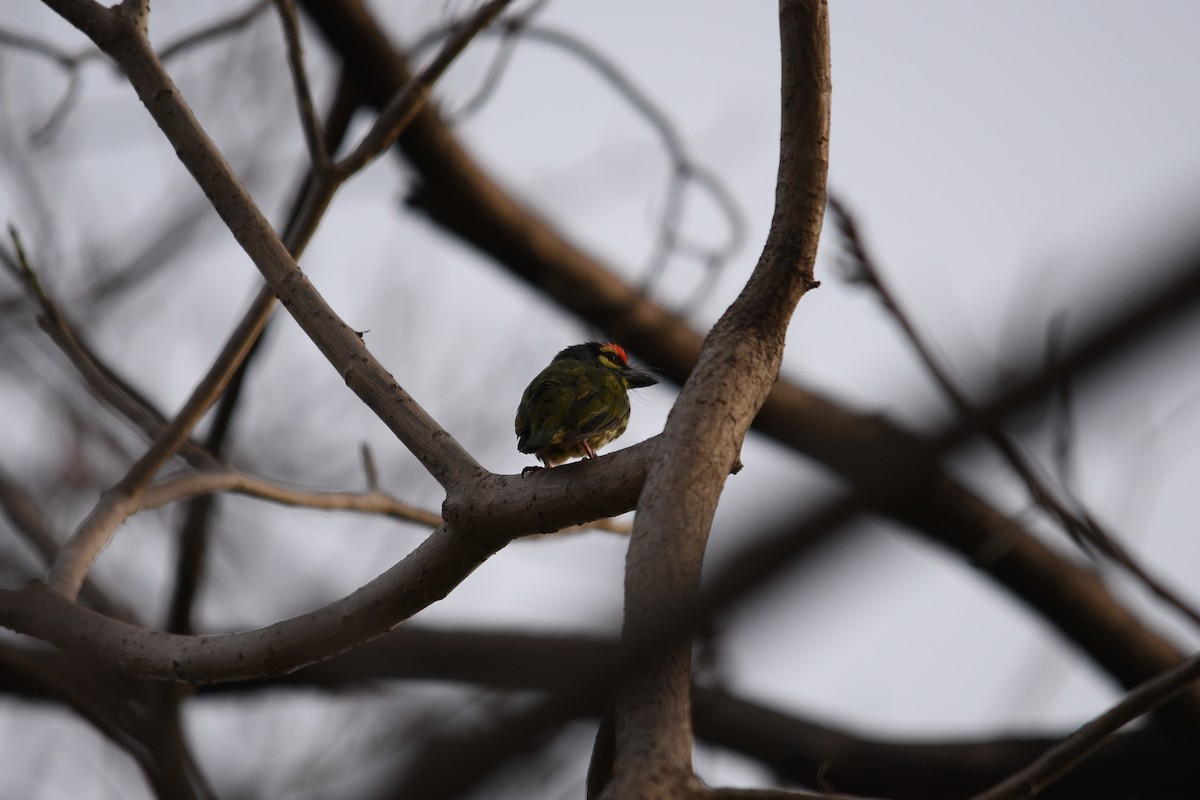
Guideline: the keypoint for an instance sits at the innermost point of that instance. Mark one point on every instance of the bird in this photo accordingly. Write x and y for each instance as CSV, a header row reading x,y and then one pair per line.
x,y
578,403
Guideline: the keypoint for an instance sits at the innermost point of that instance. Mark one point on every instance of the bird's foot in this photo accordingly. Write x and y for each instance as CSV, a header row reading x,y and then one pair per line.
x,y
531,470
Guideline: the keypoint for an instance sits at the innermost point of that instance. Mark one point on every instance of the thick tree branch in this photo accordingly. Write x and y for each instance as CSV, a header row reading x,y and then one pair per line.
x,y
703,437
500,508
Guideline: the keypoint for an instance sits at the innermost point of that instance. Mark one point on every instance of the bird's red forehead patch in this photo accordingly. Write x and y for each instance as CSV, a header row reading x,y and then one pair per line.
x,y
618,351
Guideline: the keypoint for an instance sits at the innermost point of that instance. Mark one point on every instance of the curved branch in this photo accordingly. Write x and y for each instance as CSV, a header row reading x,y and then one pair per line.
x,y
193,484
737,367
426,575
501,508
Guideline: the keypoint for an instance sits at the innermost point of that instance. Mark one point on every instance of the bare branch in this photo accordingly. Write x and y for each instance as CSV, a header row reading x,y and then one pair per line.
x,y
231,24
72,63
376,501
1062,758
120,501
684,170
111,709
1082,527
27,518
318,153
401,109
795,748
737,368
191,484
392,120
32,44
426,575
104,383
370,471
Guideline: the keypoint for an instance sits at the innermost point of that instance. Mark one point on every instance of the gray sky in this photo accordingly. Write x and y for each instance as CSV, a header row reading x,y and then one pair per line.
x,y
1005,158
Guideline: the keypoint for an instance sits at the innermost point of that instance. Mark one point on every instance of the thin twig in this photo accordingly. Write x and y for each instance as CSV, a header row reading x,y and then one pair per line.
x,y
192,484
1062,758
72,63
120,501
69,63
32,44
314,137
207,34
104,383
684,170
370,471
400,110
1081,526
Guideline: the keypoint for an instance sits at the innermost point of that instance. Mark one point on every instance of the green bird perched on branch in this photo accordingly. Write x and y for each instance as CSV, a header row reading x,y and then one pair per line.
x,y
578,404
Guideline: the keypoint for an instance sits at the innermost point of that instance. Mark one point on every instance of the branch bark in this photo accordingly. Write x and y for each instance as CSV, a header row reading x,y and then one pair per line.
x,y
737,367
498,509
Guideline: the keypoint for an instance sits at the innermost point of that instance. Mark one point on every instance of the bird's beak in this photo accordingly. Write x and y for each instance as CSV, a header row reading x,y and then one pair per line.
x,y
637,379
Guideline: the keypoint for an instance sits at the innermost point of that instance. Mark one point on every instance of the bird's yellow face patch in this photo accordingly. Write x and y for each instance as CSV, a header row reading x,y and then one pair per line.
x,y
614,356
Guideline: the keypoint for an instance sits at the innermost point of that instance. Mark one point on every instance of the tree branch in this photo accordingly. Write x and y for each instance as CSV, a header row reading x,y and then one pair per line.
x,y
27,518
192,484
501,508
318,153
1064,756
1082,527
737,367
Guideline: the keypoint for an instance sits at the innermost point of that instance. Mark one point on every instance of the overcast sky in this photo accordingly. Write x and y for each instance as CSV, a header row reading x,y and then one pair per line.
x,y
1007,160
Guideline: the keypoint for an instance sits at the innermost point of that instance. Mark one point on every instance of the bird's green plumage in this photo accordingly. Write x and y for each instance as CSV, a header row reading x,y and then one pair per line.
x,y
577,404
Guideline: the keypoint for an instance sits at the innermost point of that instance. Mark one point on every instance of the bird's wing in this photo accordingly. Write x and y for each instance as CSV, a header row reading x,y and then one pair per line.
x,y
599,404
539,417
